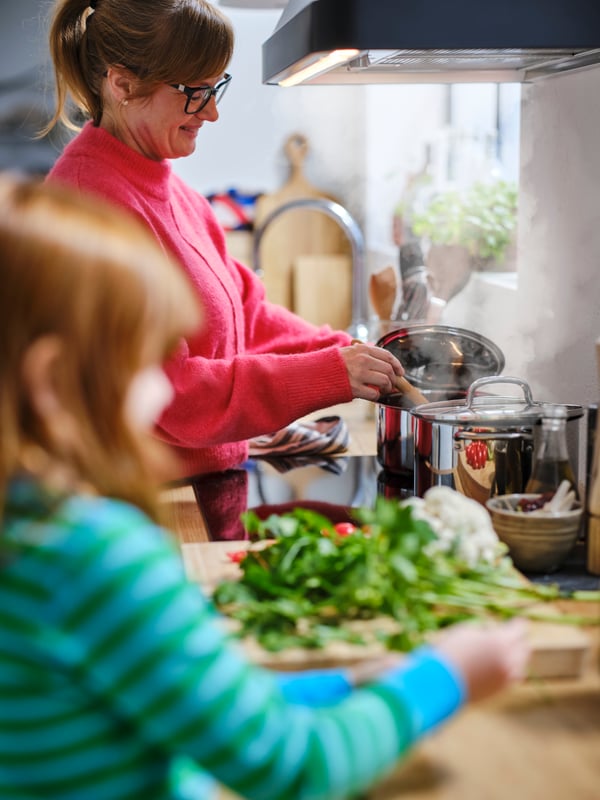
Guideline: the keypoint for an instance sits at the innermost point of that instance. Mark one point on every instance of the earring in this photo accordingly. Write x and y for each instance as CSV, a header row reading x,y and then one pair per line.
x,y
124,102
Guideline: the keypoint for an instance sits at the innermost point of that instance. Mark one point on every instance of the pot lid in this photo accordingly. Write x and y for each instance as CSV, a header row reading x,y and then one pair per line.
x,y
443,357
493,410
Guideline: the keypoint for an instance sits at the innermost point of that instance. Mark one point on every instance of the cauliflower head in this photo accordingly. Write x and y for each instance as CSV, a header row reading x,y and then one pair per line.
x,y
463,527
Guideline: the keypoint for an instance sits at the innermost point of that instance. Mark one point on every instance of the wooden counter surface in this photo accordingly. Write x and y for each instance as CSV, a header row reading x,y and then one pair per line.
x,y
539,740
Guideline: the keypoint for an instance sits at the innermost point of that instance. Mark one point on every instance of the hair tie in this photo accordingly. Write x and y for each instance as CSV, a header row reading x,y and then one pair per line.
x,y
93,4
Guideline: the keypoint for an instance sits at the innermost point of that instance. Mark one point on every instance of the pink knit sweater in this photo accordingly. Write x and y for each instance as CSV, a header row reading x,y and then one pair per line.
x,y
254,367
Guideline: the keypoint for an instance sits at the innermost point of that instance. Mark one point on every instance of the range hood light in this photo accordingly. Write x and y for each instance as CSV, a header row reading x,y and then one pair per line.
x,y
324,62
431,41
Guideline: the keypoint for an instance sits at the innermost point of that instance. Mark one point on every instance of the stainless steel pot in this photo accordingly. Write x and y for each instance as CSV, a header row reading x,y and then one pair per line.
x,y
441,361
443,358
449,437
395,427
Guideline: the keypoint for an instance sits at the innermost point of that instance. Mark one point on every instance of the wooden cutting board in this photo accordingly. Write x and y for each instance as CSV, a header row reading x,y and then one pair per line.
x,y
298,232
557,650
322,289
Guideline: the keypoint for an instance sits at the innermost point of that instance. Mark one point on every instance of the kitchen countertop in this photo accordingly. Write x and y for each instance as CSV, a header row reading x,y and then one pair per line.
x,y
537,741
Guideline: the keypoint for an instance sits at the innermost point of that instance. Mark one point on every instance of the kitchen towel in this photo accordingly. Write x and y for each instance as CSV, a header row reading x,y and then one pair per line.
x,y
326,436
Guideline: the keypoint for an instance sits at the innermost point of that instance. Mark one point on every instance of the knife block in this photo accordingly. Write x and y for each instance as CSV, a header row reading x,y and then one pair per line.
x,y
593,530
593,503
593,545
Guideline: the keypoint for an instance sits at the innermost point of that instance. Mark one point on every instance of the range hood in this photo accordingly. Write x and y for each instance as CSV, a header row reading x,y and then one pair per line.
x,y
430,41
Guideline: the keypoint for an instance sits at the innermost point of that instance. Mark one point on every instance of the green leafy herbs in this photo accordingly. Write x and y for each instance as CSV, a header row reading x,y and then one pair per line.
x,y
309,585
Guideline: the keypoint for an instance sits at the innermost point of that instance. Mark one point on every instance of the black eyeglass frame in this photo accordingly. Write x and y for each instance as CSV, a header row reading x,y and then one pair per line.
x,y
217,91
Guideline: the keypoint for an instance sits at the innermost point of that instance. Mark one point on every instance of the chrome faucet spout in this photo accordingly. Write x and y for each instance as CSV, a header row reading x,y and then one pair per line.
x,y
352,231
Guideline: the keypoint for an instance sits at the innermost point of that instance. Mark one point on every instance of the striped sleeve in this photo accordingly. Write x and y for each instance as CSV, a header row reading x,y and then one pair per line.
x,y
145,644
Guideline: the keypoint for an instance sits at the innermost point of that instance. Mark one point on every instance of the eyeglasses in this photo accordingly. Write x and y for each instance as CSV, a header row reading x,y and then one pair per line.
x,y
199,96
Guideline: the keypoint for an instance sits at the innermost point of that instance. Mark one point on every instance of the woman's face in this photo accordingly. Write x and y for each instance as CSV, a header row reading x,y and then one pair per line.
x,y
158,127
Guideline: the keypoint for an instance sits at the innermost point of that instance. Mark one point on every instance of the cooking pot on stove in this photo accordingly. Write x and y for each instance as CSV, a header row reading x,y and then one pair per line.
x,y
442,362
483,445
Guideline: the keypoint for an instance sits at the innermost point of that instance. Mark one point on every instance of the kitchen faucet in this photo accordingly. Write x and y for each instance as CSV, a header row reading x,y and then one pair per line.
x,y
358,326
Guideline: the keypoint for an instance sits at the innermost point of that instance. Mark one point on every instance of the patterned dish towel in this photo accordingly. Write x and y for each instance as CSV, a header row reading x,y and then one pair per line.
x,y
323,437
335,464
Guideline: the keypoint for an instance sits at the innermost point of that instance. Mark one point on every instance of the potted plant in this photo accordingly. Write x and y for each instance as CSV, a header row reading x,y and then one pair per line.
x,y
480,221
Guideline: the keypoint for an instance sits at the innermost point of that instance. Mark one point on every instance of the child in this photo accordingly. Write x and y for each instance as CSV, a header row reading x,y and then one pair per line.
x,y
115,678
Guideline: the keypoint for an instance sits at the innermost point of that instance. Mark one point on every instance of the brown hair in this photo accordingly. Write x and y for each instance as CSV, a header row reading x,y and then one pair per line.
x,y
78,270
159,41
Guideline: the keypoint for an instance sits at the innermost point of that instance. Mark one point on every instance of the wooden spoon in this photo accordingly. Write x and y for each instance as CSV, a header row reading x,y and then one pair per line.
x,y
410,392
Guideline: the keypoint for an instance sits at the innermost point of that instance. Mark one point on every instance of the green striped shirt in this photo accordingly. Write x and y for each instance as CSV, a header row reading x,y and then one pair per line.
x,y
117,681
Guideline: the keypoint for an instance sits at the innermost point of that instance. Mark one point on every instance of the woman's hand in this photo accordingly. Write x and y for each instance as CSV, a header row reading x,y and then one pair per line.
x,y
371,370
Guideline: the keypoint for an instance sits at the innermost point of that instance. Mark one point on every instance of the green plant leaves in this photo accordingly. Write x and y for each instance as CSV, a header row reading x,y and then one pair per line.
x,y
483,219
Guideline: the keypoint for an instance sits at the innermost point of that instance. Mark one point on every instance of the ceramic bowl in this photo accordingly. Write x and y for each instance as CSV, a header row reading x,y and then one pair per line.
x,y
536,542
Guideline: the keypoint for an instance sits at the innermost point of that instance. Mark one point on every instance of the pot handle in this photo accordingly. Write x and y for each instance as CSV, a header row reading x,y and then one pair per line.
x,y
476,436
477,384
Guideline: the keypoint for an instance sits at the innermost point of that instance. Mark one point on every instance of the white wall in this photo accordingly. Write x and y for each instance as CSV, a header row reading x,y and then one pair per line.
x,y
364,140
559,241
399,121
244,149
547,326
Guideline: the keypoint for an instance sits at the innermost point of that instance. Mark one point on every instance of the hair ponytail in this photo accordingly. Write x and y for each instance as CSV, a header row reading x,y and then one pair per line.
x,y
159,41
77,69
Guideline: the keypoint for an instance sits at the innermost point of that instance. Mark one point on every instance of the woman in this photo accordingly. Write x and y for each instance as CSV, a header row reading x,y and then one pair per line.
x,y
116,680
149,74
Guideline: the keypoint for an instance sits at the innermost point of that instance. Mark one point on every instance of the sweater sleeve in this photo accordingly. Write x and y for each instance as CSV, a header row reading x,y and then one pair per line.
x,y
154,651
233,399
314,687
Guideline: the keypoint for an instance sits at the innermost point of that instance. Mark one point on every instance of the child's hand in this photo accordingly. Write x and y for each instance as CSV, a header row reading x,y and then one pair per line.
x,y
489,658
368,671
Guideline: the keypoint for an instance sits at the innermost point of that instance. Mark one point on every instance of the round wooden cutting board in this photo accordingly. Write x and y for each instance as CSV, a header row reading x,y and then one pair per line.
x,y
297,239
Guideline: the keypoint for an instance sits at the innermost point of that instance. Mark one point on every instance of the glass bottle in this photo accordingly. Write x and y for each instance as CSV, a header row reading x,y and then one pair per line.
x,y
552,465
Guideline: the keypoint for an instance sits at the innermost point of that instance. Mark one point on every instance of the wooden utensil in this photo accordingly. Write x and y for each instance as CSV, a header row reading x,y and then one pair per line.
x,y
383,288
298,232
410,392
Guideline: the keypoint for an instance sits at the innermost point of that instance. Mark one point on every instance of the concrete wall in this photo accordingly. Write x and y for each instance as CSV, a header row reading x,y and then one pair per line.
x,y
548,322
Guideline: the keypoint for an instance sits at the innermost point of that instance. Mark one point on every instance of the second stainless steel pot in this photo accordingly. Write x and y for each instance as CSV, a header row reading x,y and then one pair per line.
x,y
482,446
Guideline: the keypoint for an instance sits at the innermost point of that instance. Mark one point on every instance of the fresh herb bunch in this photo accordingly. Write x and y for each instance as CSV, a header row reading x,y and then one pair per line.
x,y
303,588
